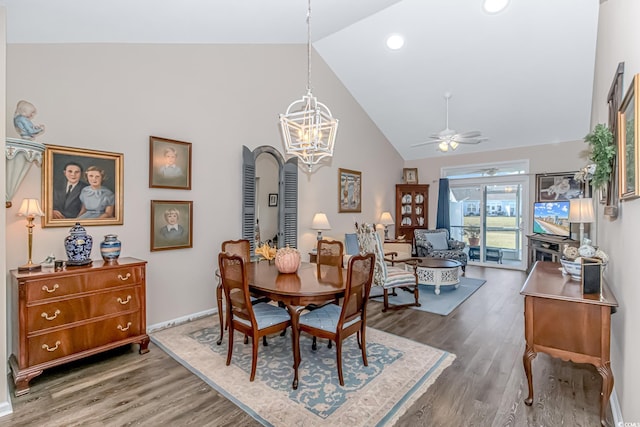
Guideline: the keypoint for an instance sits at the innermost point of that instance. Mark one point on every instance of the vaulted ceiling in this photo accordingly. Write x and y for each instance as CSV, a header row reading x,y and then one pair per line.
x,y
522,77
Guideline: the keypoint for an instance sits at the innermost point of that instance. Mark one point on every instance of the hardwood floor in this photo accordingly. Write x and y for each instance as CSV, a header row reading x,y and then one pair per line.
x,y
485,386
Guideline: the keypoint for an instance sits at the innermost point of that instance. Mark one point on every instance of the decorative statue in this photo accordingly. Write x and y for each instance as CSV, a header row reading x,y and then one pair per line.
x,y
25,111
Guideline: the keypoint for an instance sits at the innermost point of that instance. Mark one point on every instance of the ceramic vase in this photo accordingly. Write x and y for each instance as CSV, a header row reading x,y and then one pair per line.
x,y
78,245
110,248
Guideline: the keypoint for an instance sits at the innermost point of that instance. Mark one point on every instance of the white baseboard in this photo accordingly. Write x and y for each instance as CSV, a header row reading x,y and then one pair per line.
x,y
180,320
5,407
615,408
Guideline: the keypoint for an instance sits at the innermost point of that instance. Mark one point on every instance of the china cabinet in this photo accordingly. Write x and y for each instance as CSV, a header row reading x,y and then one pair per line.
x,y
412,202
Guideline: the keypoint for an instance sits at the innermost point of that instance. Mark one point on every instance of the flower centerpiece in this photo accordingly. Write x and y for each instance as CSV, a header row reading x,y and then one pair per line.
x,y
266,251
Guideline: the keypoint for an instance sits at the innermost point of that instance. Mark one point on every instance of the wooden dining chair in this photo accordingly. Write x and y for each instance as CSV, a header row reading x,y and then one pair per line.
x,y
254,321
234,247
339,322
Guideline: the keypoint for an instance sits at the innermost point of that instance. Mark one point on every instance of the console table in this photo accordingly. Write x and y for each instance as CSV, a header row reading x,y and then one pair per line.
x,y
562,322
61,316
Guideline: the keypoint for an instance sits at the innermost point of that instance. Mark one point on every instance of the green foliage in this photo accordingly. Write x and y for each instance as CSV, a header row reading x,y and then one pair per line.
x,y
603,150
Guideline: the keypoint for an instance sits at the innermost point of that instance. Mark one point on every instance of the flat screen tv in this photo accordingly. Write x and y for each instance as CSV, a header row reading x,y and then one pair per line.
x,y
551,218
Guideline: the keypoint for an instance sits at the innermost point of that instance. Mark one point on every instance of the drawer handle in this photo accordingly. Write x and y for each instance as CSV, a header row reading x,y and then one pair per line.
x,y
126,301
46,347
124,328
125,277
46,288
46,316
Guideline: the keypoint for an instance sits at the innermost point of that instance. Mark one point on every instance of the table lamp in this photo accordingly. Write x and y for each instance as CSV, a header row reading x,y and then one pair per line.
x,y
386,220
581,211
30,208
320,222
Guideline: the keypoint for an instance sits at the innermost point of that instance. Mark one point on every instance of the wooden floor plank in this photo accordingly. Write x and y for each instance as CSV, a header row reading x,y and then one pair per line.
x,y
485,386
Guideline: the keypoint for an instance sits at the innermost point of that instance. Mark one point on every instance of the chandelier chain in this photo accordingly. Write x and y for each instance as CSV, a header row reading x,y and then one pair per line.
x,y
309,47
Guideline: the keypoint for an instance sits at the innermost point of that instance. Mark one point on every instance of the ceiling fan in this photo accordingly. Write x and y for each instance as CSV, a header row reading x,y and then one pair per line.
x,y
449,138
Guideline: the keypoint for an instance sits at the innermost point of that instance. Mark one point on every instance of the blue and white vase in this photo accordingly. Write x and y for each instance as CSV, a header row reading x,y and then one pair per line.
x,y
78,245
110,248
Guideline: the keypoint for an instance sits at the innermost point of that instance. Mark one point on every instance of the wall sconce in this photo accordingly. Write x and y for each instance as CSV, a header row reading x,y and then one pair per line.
x,y
30,208
320,222
20,155
386,220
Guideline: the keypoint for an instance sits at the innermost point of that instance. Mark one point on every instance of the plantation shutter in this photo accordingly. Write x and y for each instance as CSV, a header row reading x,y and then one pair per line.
x,y
248,197
288,226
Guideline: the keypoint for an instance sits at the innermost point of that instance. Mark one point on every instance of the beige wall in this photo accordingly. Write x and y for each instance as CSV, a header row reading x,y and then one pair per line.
x,y
550,158
4,398
218,97
618,40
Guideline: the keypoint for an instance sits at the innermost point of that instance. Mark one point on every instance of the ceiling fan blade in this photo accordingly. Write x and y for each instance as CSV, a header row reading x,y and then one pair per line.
x,y
469,140
419,144
470,134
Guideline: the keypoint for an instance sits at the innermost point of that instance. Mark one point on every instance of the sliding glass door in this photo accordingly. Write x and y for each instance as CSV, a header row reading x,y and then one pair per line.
x,y
488,215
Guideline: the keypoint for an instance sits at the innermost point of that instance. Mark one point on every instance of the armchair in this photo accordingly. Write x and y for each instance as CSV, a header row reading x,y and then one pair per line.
x,y
437,244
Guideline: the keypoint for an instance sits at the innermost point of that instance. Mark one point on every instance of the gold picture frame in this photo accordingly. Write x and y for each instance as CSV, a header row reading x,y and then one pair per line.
x,y
171,225
81,185
628,177
349,191
410,175
169,163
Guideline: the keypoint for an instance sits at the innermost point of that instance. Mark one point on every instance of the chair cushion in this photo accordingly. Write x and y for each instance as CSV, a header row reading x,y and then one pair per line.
x,y
397,276
351,244
437,240
266,315
325,318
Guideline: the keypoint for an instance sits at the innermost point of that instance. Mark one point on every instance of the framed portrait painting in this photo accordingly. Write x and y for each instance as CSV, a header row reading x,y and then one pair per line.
x,y
171,225
410,175
629,181
551,187
169,163
81,185
349,191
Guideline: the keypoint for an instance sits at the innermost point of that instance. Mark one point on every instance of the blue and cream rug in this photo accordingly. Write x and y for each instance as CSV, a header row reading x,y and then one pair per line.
x,y
399,371
448,300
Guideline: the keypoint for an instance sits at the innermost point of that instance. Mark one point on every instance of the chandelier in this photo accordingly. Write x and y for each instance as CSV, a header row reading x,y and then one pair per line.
x,y
308,129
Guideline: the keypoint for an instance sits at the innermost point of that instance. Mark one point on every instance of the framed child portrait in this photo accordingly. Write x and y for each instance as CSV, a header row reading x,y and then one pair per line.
x,y
171,225
81,185
169,163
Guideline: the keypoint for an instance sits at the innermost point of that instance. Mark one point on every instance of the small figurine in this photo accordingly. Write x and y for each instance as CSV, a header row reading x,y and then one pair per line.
x,y
25,111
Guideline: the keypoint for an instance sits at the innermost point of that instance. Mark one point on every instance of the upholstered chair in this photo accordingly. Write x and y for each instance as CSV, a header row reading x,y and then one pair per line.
x,y
339,322
386,274
437,244
255,321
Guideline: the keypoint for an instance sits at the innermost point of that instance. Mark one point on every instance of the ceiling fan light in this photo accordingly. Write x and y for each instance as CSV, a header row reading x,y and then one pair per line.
x,y
443,146
494,6
453,145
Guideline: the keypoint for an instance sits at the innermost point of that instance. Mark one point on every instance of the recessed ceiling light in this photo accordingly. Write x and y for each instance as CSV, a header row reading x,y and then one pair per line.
x,y
494,6
395,41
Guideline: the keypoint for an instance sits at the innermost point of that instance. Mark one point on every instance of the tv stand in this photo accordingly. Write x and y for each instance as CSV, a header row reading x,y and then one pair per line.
x,y
545,247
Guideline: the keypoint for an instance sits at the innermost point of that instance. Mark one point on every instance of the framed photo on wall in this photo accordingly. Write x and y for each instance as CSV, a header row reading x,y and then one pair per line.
x,y
81,185
629,181
273,199
349,191
169,163
171,225
551,187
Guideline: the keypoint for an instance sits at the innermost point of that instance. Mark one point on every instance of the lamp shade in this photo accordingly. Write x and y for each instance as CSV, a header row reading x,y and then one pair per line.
x,y
320,222
30,208
581,210
386,219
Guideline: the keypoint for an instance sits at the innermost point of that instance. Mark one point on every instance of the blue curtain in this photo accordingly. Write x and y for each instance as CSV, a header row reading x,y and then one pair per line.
x,y
442,217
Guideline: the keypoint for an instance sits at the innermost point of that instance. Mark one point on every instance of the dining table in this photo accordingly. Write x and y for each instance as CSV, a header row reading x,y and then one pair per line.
x,y
310,284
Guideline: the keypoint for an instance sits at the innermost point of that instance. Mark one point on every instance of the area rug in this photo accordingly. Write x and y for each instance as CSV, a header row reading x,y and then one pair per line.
x,y
399,371
448,300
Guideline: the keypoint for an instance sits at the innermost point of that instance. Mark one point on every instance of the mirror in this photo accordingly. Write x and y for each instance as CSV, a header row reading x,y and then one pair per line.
x,y
266,163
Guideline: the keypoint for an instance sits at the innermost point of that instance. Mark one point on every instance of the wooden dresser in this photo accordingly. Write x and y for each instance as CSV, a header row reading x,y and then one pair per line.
x,y
563,322
58,317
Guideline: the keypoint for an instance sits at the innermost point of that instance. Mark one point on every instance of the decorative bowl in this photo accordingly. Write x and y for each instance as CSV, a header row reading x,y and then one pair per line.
x,y
572,268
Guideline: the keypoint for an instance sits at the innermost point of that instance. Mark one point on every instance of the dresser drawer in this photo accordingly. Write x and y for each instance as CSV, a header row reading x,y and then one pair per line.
x,y
73,283
46,347
51,314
